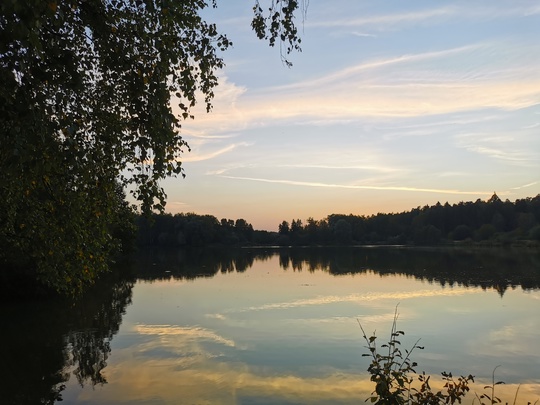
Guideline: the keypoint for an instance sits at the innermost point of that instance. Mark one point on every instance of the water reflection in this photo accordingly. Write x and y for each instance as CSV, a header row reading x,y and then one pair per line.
x,y
286,332
497,269
202,326
487,268
161,264
43,343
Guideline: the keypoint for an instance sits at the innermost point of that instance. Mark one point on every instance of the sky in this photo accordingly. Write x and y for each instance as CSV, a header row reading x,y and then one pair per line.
x,y
390,105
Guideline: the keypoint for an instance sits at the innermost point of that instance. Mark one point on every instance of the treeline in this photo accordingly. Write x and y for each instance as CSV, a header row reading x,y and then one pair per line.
x,y
197,230
491,221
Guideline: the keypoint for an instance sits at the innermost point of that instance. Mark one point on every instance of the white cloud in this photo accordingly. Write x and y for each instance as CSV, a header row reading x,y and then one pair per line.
x,y
225,110
360,187
386,20
534,183
384,169
360,298
186,332
411,85
395,21
497,146
198,156
363,34
176,203
348,74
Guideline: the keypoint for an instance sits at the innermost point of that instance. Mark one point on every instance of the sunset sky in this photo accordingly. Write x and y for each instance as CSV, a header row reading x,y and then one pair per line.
x,y
391,105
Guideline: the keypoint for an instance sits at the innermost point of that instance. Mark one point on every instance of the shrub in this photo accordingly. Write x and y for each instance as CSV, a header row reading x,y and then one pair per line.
x,y
393,374
397,383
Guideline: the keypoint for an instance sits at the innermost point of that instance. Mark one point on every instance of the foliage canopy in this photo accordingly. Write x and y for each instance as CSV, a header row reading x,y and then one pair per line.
x,y
87,89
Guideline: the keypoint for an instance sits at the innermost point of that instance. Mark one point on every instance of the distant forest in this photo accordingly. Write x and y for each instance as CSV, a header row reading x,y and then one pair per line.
x,y
486,222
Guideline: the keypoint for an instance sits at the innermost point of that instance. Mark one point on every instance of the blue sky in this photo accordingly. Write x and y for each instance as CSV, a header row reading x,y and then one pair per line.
x,y
391,105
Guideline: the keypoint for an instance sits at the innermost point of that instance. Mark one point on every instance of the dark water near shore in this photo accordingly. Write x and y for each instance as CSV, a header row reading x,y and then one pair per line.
x,y
275,326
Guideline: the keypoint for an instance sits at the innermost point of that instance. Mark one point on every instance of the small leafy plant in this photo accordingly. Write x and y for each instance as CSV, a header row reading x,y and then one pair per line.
x,y
393,373
397,383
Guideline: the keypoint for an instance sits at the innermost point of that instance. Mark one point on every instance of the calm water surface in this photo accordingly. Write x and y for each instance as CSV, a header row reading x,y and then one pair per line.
x,y
267,326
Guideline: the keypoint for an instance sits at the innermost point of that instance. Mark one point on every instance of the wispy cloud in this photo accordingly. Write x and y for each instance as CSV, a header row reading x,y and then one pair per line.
x,y
195,157
383,169
202,136
176,204
221,317
534,183
345,75
360,298
419,89
194,332
533,10
393,21
508,341
363,34
225,111
445,122
360,187
211,381
497,146
398,100
386,20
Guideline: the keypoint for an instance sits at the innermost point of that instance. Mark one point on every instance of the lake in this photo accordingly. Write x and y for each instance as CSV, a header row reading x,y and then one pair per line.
x,y
276,326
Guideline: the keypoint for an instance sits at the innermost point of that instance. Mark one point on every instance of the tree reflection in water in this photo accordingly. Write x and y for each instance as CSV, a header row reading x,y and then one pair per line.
x,y
487,268
44,343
